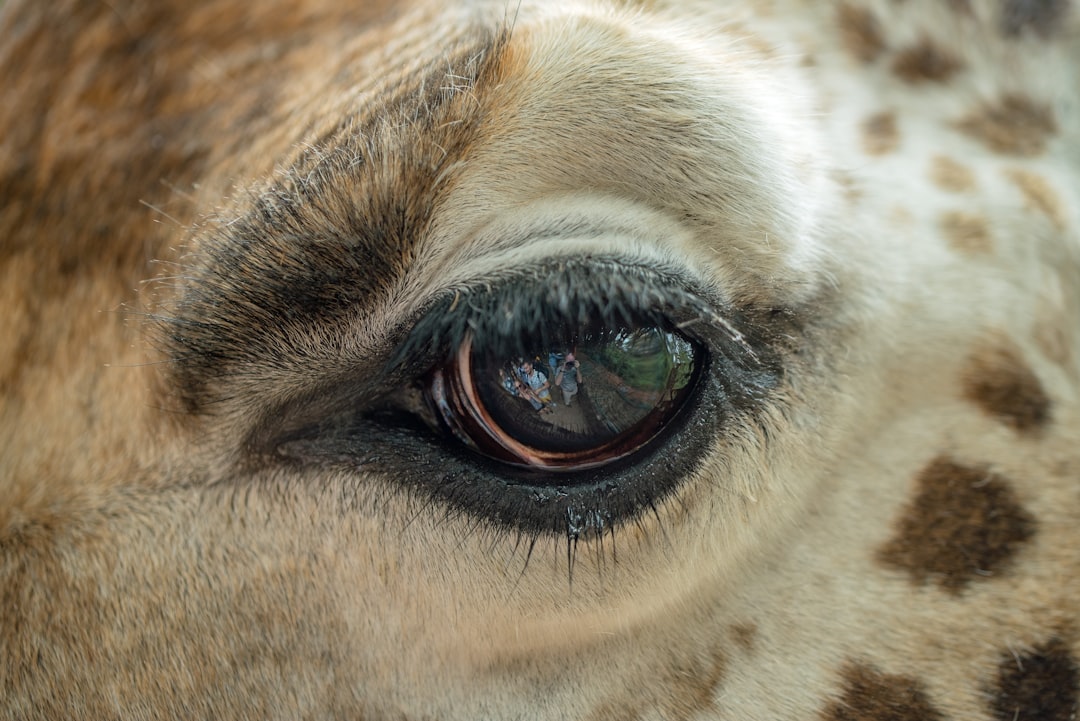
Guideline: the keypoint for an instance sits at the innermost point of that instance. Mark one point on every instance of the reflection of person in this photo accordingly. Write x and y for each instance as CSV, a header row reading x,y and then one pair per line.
x,y
509,384
537,383
568,378
553,362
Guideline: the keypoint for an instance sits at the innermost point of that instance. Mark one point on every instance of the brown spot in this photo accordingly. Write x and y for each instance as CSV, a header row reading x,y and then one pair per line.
x,y
1038,686
966,232
1014,125
860,32
692,687
879,134
999,381
870,695
745,635
948,174
678,688
925,62
1040,16
1038,194
964,523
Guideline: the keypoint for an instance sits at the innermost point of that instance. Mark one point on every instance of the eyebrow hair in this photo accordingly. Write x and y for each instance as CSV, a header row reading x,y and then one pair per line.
x,y
331,230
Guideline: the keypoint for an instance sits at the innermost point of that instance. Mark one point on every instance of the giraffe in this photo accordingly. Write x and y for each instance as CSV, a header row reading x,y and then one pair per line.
x,y
260,266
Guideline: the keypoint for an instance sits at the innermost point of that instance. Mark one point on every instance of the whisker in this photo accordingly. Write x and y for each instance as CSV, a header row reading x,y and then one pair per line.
x,y
158,210
186,195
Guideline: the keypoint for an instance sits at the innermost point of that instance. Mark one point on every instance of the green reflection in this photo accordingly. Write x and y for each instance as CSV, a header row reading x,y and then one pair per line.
x,y
647,359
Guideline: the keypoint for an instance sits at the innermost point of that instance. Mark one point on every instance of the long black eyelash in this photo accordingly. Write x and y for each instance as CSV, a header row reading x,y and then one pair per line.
x,y
528,307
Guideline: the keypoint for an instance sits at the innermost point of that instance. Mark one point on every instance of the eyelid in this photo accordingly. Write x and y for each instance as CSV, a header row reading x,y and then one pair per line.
x,y
574,291
375,425
611,288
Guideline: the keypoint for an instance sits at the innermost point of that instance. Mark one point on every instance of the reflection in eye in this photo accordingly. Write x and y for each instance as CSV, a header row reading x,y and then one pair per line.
x,y
581,401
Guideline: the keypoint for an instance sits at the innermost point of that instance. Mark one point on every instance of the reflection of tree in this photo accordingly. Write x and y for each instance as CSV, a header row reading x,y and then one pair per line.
x,y
682,358
610,399
647,359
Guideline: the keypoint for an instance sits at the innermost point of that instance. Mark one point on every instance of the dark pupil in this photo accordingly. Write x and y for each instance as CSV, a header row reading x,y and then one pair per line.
x,y
580,402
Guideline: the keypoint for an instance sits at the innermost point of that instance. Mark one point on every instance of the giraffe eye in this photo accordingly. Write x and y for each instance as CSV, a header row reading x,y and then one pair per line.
x,y
567,398
582,399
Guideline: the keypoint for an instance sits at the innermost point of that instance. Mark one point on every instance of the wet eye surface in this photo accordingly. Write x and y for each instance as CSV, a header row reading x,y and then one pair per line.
x,y
586,399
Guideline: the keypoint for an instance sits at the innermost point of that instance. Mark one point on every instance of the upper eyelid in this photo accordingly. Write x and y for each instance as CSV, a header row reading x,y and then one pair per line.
x,y
432,334
616,289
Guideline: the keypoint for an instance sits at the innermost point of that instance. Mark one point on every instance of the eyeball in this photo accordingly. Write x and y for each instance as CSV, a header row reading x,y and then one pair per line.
x,y
583,399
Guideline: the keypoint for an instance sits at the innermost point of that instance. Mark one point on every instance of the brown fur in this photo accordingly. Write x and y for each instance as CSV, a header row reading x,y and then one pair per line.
x,y
880,134
1013,125
745,635
870,695
950,175
860,32
964,525
1038,194
924,62
967,232
1042,683
228,230
999,382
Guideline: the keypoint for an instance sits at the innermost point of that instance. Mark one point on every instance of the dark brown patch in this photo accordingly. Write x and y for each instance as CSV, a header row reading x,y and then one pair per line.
x,y
964,524
966,232
338,221
925,62
870,695
999,381
745,635
1038,686
1038,194
879,133
950,175
860,32
1039,16
1014,125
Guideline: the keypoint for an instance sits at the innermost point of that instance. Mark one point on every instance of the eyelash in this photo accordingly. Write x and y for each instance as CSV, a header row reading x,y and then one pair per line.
x,y
500,317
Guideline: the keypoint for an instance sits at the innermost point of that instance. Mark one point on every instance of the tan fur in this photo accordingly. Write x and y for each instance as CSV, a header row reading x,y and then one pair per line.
x,y
212,212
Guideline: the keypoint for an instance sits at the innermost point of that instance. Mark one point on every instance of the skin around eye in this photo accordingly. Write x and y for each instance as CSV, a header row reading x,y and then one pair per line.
x,y
580,402
636,378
